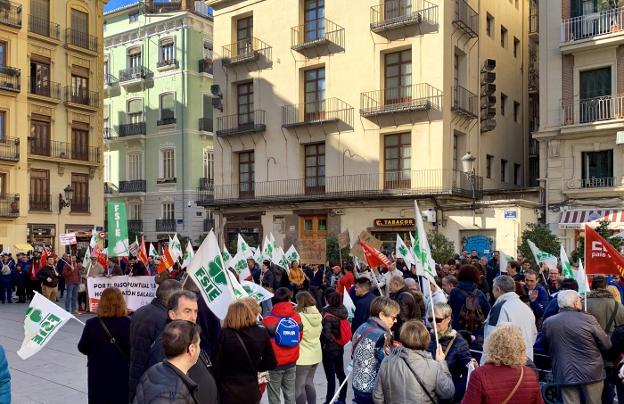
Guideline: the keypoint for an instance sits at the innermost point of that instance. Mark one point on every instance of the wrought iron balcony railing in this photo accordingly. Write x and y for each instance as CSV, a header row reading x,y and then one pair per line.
x,y
39,202
315,33
110,80
592,25
11,13
590,110
205,192
132,129
167,63
205,66
80,204
132,186
81,39
253,121
9,204
244,51
465,102
466,18
157,7
417,97
317,112
82,96
63,150
205,124
10,78
9,149
394,14
44,27
208,225
166,225
109,188
135,226
132,73
45,88
169,120
592,182
206,184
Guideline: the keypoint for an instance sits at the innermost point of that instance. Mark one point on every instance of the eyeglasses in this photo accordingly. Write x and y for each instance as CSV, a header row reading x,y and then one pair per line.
x,y
437,320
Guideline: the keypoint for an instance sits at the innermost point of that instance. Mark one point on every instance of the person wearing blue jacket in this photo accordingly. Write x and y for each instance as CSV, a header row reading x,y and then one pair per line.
x,y
538,296
468,277
363,300
5,379
7,272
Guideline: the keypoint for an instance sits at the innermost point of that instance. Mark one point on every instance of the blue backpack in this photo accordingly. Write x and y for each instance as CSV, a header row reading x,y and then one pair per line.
x,y
286,332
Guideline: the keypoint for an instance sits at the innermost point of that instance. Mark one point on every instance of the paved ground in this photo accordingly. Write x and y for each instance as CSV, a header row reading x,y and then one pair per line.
x,y
58,373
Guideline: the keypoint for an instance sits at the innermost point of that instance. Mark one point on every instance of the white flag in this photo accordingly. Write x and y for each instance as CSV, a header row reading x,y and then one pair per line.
x,y
348,303
43,320
257,255
94,236
152,252
256,291
292,254
279,259
267,249
134,248
425,251
581,279
243,247
86,261
502,262
175,248
209,274
239,264
188,255
403,252
542,256
238,290
227,257
566,268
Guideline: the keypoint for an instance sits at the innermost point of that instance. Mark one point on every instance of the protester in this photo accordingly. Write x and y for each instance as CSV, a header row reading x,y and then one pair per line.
x,y
7,273
514,270
409,309
576,342
20,281
286,331
554,280
49,280
297,278
333,352
448,283
391,273
553,305
362,306
310,353
454,346
135,267
71,273
167,381
508,308
95,269
315,275
60,263
347,280
147,324
469,304
5,378
106,342
504,378
409,374
371,343
414,289
34,284
254,270
538,296
243,350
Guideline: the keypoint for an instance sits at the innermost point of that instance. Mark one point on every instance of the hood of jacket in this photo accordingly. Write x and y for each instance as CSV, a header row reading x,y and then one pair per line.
x,y
311,316
340,311
599,294
284,309
468,286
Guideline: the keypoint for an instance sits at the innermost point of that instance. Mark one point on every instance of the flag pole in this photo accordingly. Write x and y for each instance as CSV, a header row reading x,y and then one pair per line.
x,y
435,327
335,397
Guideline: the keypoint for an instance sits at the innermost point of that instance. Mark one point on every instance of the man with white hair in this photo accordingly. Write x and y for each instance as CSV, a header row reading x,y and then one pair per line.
x,y
575,342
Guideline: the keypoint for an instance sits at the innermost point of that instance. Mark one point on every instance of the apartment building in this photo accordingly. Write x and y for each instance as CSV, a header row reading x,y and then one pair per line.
x,y
50,120
341,115
158,115
581,131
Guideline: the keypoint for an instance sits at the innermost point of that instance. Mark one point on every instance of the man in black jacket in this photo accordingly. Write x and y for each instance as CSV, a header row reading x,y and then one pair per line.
x,y
167,381
407,303
363,302
147,324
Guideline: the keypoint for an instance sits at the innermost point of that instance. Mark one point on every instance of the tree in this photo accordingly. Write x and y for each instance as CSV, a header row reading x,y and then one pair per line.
x,y
603,230
543,238
442,249
333,254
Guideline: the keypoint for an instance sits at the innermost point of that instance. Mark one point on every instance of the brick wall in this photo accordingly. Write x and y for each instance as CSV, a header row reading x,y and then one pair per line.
x,y
565,8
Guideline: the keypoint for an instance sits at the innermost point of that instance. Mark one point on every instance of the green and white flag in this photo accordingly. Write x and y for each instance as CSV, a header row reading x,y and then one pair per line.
x,y
581,279
238,290
347,302
566,268
279,259
267,249
428,264
542,256
209,274
118,244
153,252
257,292
403,252
257,255
239,264
94,237
43,320
292,254
227,257
86,261
503,260
175,248
243,247
188,255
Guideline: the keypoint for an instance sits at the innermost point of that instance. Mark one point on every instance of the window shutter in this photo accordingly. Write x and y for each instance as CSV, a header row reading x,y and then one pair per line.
x,y
135,106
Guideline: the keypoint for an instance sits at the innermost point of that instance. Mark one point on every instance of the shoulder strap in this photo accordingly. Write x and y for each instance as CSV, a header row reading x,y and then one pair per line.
x,y
450,344
516,386
422,385
112,339
364,334
612,319
244,348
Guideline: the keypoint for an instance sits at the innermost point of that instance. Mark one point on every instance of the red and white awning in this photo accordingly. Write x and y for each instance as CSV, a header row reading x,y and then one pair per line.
x,y
576,219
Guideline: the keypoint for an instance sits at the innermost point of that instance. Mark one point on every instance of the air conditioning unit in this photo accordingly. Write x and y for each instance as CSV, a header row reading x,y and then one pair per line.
x,y
619,137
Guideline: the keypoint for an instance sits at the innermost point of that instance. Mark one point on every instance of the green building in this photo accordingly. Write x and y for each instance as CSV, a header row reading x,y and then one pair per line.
x,y
158,115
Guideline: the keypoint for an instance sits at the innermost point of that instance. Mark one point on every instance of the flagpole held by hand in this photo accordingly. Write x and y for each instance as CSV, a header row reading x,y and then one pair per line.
x,y
335,397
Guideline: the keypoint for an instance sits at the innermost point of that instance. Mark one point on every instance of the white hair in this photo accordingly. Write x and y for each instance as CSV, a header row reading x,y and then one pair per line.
x,y
567,298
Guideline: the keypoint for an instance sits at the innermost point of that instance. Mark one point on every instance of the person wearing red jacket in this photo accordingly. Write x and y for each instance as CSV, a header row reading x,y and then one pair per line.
x,y
347,280
282,378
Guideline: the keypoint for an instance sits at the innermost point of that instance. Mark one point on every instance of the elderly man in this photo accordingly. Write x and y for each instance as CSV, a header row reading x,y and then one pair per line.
x,y
538,296
409,308
576,342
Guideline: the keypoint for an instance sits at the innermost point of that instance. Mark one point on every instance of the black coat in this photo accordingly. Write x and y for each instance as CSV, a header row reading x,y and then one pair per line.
x,y
163,383
331,328
362,310
409,309
210,326
106,365
147,324
236,376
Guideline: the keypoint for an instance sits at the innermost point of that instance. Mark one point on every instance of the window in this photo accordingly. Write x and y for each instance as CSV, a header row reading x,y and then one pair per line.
x,y
503,37
134,62
40,133
245,104
135,211
40,75
244,36
460,68
80,185
503,170
135,111
516,174
397,8
133,17
168,211
167,108
459,149
135,166
314,94
2,126
80,28
39,189
313,227
208,50
503,102
106,122
246,173
594,84
488,166
315,167
3,53
168,164
80,84
107,167
314,21
397,160
80,142
166,52
597,169
516,111
490,25
208,164
3,185
516,49
398,77
40,20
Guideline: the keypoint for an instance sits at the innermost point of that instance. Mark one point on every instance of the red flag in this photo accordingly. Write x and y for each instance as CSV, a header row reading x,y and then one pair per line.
x,y
44,257
143,252
601,258
166,261
102,256
374,257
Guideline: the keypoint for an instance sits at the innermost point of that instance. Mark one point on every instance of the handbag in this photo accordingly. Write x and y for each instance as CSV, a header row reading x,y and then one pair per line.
x,y
112,340
263,377
515,387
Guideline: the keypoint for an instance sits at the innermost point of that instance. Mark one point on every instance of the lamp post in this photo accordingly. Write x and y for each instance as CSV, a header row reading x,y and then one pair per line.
x,y
69,195
468,167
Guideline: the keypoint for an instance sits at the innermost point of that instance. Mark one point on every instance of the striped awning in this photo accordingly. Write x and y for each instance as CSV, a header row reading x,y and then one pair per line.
x,y
576,219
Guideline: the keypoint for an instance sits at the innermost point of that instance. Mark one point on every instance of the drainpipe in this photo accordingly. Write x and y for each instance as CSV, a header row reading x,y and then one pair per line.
x,y
183,161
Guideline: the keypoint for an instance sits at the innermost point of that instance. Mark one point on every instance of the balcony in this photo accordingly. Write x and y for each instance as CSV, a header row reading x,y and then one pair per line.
x,y
393,14
465,102
9,149
205,124
245,51
587,29
466,18
133,76
315,33
109,188
64,151
9,205
45,88
168,225
10,14
39,202
44,27
110,80
208,225
205,66
10,79
170,120
317,112
590,110
135,226
108,134
82,97
167,63
159,7
405,184
205,192
80,204
132,129
241,123
132,186
81,39
417,97
584,183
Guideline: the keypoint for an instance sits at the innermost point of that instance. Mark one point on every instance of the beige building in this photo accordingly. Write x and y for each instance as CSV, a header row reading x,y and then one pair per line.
x,y
581,131
50,120
341,113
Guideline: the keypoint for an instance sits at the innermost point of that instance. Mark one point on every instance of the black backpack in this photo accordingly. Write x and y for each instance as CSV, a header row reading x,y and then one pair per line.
x,y
471,316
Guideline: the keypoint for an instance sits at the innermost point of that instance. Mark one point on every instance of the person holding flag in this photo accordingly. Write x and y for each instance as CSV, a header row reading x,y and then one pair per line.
x,y
49,278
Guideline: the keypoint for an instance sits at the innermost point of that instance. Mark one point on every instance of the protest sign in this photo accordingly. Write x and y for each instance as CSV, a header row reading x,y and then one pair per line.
x,y
137,290
68,239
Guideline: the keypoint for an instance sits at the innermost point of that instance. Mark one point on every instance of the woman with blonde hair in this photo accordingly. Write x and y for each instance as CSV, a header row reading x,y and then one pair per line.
x,y
504,378
310,354
106,342
243,350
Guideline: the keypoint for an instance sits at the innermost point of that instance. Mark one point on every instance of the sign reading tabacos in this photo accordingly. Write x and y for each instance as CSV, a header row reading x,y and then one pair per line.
x,y
395,222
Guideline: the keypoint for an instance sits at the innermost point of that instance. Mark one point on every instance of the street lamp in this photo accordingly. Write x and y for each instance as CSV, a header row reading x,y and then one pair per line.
x,y
468,167
69,195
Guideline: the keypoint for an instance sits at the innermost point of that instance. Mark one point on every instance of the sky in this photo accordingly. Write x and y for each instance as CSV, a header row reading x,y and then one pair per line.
x,y
113,4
